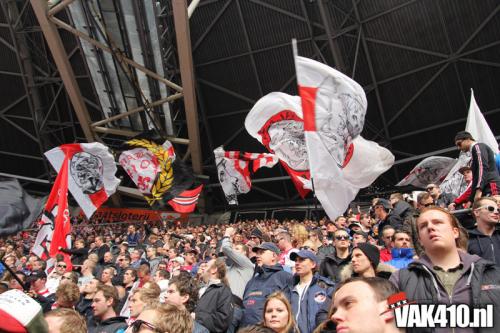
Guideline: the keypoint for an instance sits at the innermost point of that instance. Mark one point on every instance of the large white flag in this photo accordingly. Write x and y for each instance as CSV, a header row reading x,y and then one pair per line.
x,y
431,170
91,172
340,161
478,127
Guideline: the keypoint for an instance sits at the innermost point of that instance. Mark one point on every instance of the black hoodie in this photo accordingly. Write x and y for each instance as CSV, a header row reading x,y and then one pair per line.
x,y
111,325
485,246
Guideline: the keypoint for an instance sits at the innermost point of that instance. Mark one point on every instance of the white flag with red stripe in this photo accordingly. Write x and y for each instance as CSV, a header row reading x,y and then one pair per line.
x,y
341,162
91,172
186,201
235,168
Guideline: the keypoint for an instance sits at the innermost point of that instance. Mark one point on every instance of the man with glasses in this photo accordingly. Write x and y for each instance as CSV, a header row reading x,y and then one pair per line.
x,y
122,263
485,175
441,199
484,240
54,277
385,216
334,262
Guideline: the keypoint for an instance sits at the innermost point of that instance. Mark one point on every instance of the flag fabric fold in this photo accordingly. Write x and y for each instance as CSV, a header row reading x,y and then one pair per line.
x,y
276,122
186,201
433,169
235,168
478,127
91,173
340,160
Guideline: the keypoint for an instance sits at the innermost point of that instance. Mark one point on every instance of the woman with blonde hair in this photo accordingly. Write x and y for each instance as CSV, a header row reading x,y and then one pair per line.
x,y
278,314
299,235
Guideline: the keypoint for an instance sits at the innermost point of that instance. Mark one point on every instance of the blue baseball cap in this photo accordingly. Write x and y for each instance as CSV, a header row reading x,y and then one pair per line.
x,y
304,254
267,246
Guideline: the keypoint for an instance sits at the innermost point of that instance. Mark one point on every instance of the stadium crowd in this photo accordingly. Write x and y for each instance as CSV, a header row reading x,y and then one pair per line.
x,y
263,275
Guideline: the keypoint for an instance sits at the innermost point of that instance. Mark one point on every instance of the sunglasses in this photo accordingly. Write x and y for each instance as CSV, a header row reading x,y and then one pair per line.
x,y
305,248
65,277
490,209
61,266
342,237
136,325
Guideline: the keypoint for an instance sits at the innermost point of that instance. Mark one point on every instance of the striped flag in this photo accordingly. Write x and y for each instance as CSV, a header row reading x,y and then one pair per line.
x,y
186,201
234,169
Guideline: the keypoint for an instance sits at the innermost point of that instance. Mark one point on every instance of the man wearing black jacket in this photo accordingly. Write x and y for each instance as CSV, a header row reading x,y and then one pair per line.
x,y
214,309
485,176
484,240
78,254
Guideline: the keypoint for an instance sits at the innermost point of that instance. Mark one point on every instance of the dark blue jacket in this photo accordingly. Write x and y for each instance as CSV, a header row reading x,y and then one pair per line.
x,y
266,280
401,258
318,295
485,246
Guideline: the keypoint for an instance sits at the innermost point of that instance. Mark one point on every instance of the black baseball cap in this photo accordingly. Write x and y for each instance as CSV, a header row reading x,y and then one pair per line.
x,y
267,246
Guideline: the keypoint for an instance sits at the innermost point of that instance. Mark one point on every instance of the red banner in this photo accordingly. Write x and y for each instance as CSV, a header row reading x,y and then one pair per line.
x,y
105,214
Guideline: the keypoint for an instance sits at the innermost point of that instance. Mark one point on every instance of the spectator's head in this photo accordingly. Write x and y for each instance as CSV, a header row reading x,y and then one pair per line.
x,y
256,236
366,297
438,231
141,298
359,237
190,257
163,318
161,275
136,254
433,190
151,252
387,234
88,266
241,248
216,270
64,320
464,140
99,241
395,198
266,254
67,295
306,262
79,243
107,275
466,172
401,239
144,272
284,240
69,277
108,257
89,289
14,284
486,212
424,199
123,261
131,229
382,208
129,277
365,220
341,222
182,292
172,253
341,240
365,259
278,313
37,280
104,301
60,267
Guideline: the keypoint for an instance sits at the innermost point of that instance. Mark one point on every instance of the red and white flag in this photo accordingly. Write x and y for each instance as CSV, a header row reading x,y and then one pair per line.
x,y
276,121
340,161
90,175
55,224
431,170
186,201
235,168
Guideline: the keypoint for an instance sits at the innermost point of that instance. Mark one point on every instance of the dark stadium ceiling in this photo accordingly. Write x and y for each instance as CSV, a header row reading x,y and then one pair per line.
x,y
417,61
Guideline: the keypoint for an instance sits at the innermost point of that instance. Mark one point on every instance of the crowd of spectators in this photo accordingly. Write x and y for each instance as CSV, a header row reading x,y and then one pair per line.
x,y
253,276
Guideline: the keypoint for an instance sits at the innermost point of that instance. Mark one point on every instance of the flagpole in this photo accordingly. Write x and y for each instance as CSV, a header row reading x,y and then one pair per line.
x,y
315,201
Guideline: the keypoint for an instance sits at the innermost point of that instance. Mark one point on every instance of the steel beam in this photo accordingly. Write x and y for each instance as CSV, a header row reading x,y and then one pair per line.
x,y
334,48
66,72
181,21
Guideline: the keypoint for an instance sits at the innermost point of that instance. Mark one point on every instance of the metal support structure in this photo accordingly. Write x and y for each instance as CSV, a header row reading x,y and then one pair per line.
x,y
334,49
181,21
65,70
